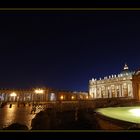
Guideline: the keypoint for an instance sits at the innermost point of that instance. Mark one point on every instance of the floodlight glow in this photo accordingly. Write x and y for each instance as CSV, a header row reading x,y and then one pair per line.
x,y
13,94
72,97
61,97
135,112
127,114
39,91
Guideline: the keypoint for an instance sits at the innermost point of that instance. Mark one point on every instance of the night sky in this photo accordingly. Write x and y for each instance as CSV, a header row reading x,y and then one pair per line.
x,y
64,50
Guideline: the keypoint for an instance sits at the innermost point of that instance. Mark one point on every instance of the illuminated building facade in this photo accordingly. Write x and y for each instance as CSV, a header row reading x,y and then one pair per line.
x,y
120,85
40,95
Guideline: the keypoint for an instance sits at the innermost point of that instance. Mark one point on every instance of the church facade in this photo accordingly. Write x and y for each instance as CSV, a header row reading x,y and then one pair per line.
x,y
126,84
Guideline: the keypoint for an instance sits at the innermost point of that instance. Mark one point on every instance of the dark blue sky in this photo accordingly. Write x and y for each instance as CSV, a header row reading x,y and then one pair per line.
x,y
65,50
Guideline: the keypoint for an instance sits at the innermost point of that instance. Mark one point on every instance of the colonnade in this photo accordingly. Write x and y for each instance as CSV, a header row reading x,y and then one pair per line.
x,y
111,90
31,96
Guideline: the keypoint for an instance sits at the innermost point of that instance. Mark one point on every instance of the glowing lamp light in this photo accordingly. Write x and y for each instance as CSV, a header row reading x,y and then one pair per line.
x,y
61,97
13,94
135,112
72,97
86,97
39,91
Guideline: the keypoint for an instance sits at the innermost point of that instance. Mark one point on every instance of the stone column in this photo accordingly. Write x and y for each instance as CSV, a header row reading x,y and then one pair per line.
x,y
29,97
109,90
4,97
45,97
130,90
23,97
14,98
119,90
122,94
100,92
32,97
94,95
115,90
127,90
106,92
18,96
8,97
97,92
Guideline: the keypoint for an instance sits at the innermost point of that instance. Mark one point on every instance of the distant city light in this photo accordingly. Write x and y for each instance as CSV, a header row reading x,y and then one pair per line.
x,y
39,91
13,94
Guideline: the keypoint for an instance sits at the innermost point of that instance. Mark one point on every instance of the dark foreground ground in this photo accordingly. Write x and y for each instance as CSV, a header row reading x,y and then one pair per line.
x,y
66,120
74,119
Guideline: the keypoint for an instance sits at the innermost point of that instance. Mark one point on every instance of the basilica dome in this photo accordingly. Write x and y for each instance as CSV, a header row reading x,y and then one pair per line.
x,y
125,70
